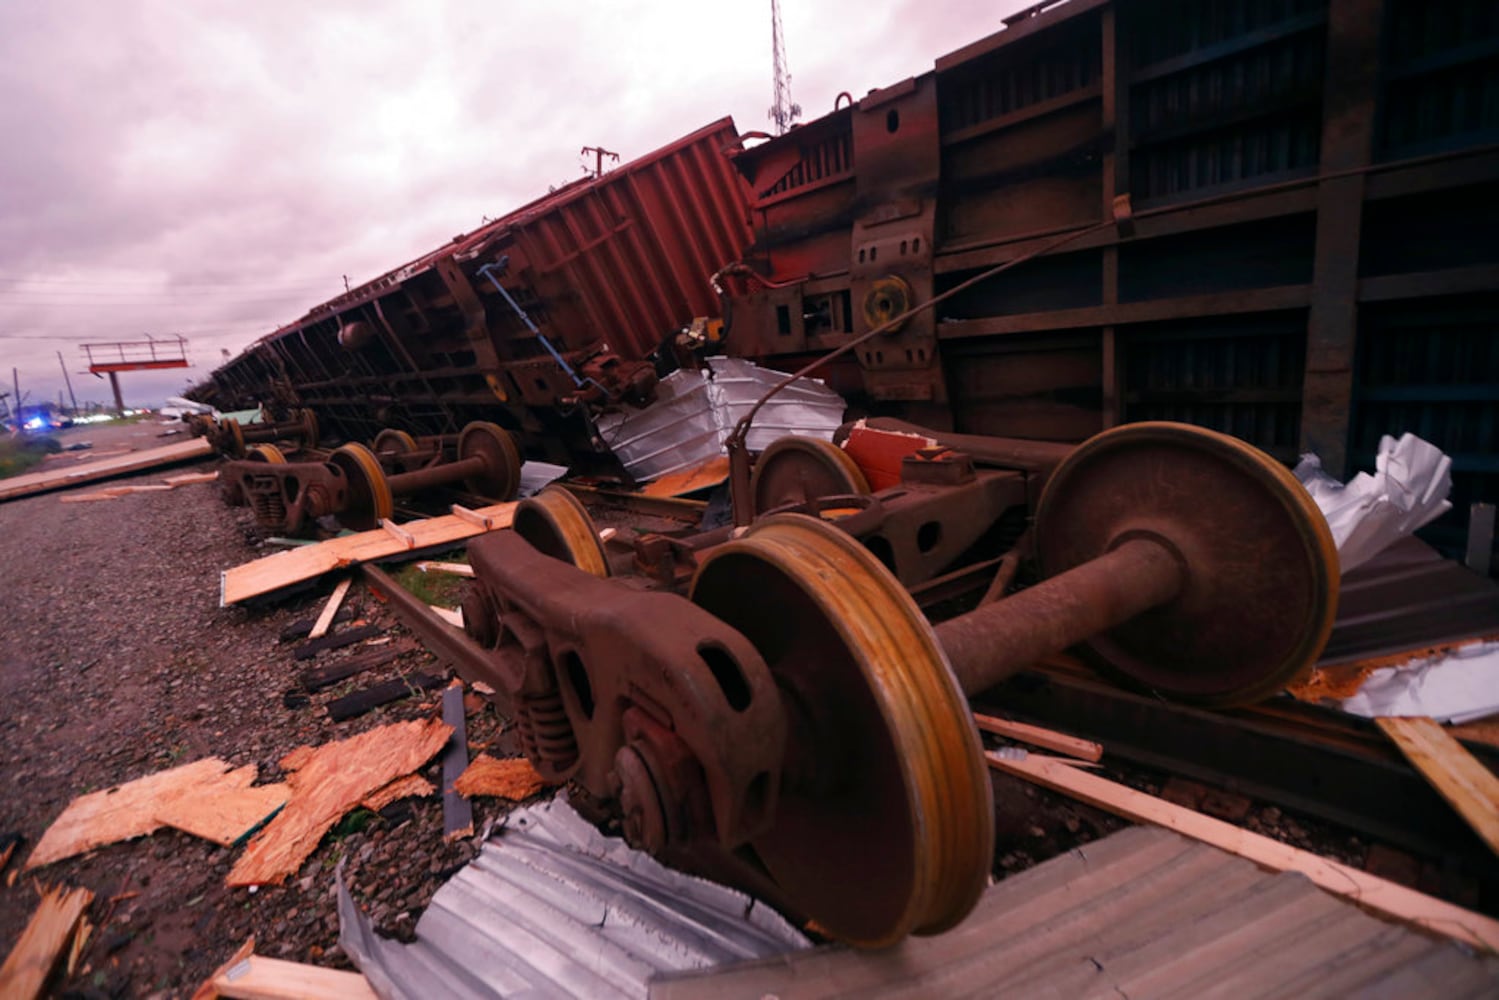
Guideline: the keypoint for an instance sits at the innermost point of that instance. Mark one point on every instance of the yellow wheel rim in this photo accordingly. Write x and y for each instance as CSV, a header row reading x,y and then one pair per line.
x,y
370,499
557,524
907,778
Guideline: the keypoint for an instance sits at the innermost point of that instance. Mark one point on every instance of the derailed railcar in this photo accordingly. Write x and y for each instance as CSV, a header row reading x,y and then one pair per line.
x,y
1281,217
527,321
1305,194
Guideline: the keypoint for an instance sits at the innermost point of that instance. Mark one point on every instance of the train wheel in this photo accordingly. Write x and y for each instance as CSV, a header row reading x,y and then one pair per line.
x,y
231,438
798,469
391,441
885,821
267,453
1261,567
557,524
500,479
370,499
309,429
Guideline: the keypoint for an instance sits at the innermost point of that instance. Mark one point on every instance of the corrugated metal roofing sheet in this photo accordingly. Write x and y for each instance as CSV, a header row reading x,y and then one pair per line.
x,y
1409,597
552,908
1143,913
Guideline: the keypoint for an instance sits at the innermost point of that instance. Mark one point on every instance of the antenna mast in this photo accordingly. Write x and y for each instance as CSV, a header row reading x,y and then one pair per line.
x,y
783,112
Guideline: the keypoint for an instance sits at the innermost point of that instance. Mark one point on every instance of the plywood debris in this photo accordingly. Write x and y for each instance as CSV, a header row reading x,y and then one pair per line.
x,y
206,795
326,782
513,778
1458,777
42,943
283,569
1369,891
135,461
413,786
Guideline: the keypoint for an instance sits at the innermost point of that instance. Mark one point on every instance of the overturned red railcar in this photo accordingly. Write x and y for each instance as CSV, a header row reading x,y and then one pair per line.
x,y
1283,209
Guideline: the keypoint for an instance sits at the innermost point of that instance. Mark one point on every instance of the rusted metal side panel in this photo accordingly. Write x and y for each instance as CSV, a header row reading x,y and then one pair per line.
x,y
628,260
1431,367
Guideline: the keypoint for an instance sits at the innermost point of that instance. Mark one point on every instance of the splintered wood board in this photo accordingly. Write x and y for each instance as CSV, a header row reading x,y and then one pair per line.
x,y
1467,785
255,977
205,795
41,944
327,782
135,461
1359,887
308,562
411,786
513,778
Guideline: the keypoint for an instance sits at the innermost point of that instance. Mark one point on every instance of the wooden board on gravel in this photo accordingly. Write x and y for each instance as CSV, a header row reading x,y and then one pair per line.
x,y
41,944
308,562
206,795
326,782
135,461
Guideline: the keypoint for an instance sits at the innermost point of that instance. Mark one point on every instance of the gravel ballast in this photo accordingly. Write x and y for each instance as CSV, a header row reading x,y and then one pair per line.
x,y
117,662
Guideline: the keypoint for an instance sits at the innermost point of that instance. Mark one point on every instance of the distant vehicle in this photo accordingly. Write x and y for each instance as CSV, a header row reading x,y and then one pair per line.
x,y
177,406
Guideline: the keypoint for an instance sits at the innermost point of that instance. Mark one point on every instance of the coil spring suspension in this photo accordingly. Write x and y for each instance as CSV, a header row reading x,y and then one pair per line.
x,y
545,731
268,504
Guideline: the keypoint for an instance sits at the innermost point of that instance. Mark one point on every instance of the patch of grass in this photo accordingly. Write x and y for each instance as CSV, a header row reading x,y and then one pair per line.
x,y
19,454
442,589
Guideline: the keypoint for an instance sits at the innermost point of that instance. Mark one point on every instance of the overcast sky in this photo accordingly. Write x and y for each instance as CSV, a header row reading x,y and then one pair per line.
x,y
214,169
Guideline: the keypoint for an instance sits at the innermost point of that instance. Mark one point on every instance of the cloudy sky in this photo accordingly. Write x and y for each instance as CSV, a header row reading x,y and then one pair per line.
x,y
214,169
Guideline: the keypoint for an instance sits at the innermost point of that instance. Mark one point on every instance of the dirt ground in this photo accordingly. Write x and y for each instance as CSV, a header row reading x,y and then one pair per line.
x,y
117,662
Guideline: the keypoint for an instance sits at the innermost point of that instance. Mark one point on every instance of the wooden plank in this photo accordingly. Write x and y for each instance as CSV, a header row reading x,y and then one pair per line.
x,y
1458,777
189,478
87,497
318,678
473,517
1048,739
325,619
327,782
353,705
207,991
41,944
453,616
513,778
256,977
135,461
300,629
136,808
457,814
1369,891
400,534
283,569
457,569
337,640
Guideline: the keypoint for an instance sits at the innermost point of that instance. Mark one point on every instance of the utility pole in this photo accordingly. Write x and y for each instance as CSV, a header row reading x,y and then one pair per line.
x,y
784,112
599,152
69,382
15,377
